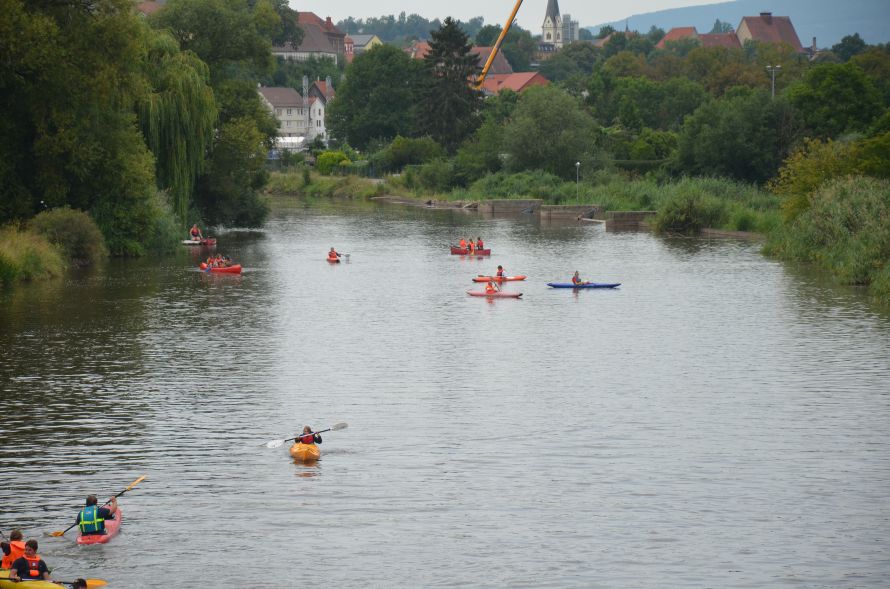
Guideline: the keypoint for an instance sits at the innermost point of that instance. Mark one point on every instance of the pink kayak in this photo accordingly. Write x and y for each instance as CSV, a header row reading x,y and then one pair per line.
x,y
112,527
236,269
495,295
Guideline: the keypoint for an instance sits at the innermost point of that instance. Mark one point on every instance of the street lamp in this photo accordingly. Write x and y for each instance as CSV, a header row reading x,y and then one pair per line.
x,y
577,179
772,69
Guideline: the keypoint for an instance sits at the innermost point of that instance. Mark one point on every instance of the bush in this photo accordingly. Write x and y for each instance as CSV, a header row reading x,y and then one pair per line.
x,y
688,212
25,255
436,175
328,161
74,233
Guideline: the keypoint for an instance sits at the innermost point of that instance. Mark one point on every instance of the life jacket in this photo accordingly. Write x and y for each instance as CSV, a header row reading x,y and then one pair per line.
x,y
307,439
33,566
479,245
16,550
490,288
463,244
90,522
196,233
576,280
500,273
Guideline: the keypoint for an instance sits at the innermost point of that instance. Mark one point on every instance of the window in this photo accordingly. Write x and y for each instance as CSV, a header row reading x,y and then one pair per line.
x,y
288,123
289,111
318,123
278,111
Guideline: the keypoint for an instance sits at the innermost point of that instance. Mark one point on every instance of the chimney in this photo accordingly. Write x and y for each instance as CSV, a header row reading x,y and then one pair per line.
x,y
328,24
767,17
814,45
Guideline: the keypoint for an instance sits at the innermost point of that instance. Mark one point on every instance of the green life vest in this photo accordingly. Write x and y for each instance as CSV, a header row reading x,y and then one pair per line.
x,y
90,522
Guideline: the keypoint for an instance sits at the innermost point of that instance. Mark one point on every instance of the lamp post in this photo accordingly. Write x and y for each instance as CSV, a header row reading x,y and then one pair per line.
x,y
577,179
772,69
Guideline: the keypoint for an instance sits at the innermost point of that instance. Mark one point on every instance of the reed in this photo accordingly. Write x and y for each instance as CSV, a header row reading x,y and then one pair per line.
x,y
25,255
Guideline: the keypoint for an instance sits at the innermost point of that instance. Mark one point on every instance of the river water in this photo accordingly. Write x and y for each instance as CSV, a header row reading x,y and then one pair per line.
x,y
720,420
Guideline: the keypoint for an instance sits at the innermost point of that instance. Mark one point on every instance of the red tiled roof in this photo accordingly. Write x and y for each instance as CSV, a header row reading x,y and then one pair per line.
x,y
310,18
418,49
677,33
322,85
728,40
771,29
517,82
500,65
282,97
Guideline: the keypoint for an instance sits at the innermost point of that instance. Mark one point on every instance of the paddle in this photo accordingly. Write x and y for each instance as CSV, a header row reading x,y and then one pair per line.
x,y
91,583
279,443
56,534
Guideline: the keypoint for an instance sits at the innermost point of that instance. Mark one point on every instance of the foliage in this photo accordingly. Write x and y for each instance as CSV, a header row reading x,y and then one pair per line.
x,y
436,175
721,27
25,255
836,98
518,45
327,161
404,151
876,65
689,211
578,58
289,73
73,232
743,136
548,131
846,230
848,47
450,105
376,101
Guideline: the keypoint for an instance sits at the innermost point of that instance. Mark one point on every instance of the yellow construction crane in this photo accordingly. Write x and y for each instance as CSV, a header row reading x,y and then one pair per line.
x,y
497,45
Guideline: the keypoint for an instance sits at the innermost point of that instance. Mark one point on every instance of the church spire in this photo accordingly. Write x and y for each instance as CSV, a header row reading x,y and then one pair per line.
x,y
552,10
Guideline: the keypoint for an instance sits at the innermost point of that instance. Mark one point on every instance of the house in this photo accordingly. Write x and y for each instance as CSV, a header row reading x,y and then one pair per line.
x,y
517,82
767,28
321,39
301,117
728,40
500,65
362,43
676,34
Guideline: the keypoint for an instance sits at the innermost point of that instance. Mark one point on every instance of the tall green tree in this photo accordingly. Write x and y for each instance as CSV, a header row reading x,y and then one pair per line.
x,y
377,99
449,107
849,46
836,98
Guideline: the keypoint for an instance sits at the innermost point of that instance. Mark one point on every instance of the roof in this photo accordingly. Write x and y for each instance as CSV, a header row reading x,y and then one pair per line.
x,y
771,29
281,97
552,10
728,40
675,34
327,25
326,91
418,49
361,40
500,65
149,7
517,82
314,41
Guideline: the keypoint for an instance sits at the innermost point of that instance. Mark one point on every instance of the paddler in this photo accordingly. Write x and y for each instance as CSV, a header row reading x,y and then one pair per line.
x,y
29,566
91,518
576,279
195,232
500,272
471,247
13,549
308,437
479,244
463,243
491,287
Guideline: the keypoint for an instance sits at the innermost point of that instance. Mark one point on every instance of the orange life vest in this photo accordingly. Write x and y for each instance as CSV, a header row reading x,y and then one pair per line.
x,y
33,565
463,244
479,245
16,550
490,288
307,439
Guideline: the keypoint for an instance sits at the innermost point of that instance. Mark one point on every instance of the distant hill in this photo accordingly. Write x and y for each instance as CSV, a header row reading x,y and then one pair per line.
x,y
827,20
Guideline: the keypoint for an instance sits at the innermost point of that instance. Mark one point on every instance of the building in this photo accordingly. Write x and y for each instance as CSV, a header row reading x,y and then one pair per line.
x,y
517,82
301,117
557,30
321,39
728,40
500,65
362,43
767,28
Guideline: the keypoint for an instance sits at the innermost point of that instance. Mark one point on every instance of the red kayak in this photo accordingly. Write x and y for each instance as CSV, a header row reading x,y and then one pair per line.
x,y
236,269
498,278
458,251
112,527
495,295
333,260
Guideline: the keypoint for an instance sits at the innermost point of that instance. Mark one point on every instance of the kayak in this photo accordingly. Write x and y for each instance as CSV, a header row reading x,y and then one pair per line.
x,y
457,251
5,583
305,452
495,295
112,527
584,285
333,260
236,269
498,278
204,241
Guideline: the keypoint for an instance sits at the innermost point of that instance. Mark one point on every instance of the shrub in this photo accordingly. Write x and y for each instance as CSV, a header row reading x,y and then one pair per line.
x,y
688,212
25,255
436,175
327,161
74,233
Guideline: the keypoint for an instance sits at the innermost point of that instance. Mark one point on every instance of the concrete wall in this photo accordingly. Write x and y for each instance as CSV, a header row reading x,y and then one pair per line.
x,y
549,212
509,205
627,219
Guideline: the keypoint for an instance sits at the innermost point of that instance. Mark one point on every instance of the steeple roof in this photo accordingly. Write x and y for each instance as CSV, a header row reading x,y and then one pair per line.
x,y
552,10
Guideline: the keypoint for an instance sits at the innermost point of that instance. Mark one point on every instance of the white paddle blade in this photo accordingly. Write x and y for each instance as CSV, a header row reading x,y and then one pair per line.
x,y
275,444
339,426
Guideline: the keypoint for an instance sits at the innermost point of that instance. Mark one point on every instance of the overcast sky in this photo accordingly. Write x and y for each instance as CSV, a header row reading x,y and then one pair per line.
x,y
530,16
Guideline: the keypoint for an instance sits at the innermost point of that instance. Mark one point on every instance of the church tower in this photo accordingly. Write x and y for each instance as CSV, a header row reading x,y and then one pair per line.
x,y
551,31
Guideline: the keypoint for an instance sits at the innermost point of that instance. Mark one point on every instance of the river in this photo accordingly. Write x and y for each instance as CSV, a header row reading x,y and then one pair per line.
x,y
720,420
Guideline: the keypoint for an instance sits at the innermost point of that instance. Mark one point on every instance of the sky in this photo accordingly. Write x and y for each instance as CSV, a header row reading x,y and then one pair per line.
x,y
530,15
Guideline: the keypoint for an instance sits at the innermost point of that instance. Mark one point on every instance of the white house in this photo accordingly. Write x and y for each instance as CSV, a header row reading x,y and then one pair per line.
x,y
299,116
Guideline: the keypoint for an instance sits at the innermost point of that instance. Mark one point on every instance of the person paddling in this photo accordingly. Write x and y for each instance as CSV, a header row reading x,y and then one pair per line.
x,y
308,437
29,566
463,243
500,273
480,245
491,287
195,232
576,279
13,549
91,518
333,255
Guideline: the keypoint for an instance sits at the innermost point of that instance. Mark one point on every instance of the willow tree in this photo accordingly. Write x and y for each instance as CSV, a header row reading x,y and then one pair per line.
x,y
177,115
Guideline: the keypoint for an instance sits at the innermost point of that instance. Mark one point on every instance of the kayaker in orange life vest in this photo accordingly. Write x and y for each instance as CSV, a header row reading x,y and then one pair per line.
x,y
308,437
91,518
29,566
333,254
463,243
491,287
479,244
13,549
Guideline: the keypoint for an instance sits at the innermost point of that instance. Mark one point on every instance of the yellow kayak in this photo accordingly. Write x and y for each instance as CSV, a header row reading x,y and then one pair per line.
x,y
5,583
305,452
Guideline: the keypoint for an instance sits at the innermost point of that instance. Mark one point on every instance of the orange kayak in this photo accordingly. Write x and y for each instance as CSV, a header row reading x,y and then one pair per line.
x,y
305,452
498,278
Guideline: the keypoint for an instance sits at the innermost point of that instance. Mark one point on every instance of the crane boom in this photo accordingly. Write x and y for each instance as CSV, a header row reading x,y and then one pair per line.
x,y
497,45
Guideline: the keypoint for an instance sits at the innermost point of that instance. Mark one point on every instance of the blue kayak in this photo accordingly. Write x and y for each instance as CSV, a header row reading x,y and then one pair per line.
x,y
584,285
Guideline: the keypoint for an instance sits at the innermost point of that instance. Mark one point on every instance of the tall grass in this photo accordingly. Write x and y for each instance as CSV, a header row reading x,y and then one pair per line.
x,y
845,230
294,184
74,233
25,255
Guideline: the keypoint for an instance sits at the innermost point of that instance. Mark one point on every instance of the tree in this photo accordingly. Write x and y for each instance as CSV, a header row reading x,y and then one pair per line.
x,y
549,131
836,99
849,46
744,135
574,59
377,100
450,105
720,27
